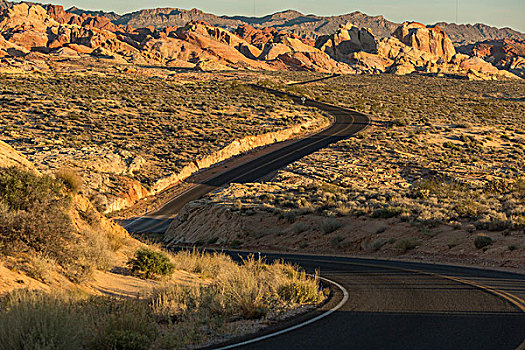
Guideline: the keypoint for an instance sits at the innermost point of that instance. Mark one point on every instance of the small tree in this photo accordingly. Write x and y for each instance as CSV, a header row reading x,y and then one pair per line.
x,y
481,241
148,263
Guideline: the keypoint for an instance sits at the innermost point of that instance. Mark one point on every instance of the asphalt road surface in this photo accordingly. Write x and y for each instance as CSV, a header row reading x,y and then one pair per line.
x,y
392,305
407,305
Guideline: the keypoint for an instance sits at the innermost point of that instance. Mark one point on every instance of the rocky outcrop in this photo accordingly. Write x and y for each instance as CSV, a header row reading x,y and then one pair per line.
x,y
295,54
345,41
504,54
431,39
25,26
58,13
23,17
195,220
217,44
479,69
9,157
258,37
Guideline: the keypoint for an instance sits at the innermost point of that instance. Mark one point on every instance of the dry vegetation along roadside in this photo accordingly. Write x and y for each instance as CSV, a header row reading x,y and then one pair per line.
x,y
54,244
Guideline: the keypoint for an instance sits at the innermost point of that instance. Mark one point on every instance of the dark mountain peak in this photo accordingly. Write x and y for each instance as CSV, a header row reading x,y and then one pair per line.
x,y
464,34
112,16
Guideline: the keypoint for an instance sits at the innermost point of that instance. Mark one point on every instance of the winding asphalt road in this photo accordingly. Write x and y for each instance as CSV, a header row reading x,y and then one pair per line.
x,y
345,124
392,305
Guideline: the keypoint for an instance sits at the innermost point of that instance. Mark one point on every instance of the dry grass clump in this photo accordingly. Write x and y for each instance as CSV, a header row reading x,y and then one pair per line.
x,y
36,320
174,316
36,222
247,290
71,179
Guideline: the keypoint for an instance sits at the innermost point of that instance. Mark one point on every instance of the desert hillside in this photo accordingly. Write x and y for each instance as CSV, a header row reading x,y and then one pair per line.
x,y
87,283
437,176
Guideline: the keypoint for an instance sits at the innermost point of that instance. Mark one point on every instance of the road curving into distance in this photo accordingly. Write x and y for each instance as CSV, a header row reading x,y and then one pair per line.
x,y
346,123
391,304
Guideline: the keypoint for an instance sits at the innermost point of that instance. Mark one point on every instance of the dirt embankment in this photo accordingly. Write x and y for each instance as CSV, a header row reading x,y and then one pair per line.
x,y
215,225
237,147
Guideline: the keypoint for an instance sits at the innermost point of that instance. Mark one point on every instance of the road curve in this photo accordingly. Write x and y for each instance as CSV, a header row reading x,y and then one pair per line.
x,y
408,305
392,305
345,124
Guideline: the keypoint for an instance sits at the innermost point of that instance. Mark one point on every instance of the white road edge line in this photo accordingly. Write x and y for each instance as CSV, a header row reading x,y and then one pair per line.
x,y
297,326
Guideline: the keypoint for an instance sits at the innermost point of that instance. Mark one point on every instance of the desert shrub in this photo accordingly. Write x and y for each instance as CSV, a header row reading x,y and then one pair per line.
x,y
330,225
248,289
376,244
406,244
34,320
34,218
520,187
24,190
70,178
482,241
37,320
39,267
122,324
206,264
299,293
148,263
299,227
388,212
468,208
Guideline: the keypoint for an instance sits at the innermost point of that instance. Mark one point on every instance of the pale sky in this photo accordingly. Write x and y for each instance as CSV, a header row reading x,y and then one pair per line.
x,y
502,13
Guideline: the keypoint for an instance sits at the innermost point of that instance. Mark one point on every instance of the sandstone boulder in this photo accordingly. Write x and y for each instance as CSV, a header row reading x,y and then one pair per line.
x,y
58,13
23,16
12,49
273,50
372,63
258,37
346,40
217,44
313,61
81,49
431,39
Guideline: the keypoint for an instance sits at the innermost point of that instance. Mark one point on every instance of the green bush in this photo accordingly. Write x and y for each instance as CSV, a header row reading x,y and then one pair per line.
x,y
148,263
24,190
330,225
481,241
406,244
34,217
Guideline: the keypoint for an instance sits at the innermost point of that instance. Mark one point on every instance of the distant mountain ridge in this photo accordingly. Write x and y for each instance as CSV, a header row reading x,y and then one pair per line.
x,y
295,22
307,26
